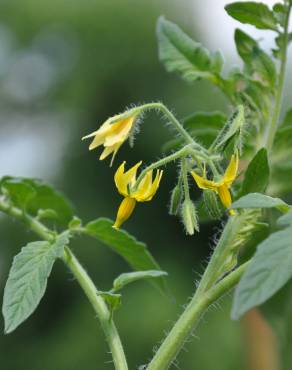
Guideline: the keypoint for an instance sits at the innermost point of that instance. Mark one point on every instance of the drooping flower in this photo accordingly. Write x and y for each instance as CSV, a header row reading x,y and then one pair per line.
x,y
111,134
222,186
127,186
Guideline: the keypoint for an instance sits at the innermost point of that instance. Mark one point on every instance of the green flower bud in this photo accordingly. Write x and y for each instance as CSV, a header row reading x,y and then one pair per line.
x,y
211,204
189,217
175,200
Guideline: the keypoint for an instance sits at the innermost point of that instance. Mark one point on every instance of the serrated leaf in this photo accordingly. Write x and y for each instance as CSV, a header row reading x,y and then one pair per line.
x,y
257,200
285,220
130,277
258,65
269,270
181,54
256,177
256,14
27,279
121,242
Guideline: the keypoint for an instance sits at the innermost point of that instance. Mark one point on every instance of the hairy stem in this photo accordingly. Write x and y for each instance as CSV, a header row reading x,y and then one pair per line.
x,y
272,128
100,308
190,317
84,281
176,124
162,162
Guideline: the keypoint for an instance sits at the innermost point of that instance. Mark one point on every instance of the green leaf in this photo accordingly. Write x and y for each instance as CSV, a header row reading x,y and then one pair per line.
x,y
130,277
75,223
49,198
257,200
35,195
277,311
19,192
269,270
181,54
285,220
27,279
256,14
113,300
200,123
280,12
44,214
256,177
121,242
258,65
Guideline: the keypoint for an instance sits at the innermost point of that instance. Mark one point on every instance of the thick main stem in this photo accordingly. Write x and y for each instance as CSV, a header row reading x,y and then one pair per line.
x,y
272,128
84,281
190,317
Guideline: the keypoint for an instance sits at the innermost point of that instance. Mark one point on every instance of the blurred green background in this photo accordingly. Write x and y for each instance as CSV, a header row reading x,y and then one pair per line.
x,y
65,66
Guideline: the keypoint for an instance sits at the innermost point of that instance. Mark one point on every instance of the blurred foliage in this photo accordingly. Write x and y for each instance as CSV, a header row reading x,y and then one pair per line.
x,y
70,65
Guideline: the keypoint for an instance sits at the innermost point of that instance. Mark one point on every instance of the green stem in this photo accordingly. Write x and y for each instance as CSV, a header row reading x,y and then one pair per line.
x,y
220,255
177,125
187,150
190,317
162,162
272,128
99,307
84,280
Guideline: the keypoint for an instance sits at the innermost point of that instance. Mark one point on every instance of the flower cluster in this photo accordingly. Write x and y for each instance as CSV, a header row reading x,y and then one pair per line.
x,y
116,130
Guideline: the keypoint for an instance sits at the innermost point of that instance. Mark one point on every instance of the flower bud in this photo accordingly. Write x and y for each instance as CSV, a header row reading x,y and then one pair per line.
x,y
211,204
175,200
189,217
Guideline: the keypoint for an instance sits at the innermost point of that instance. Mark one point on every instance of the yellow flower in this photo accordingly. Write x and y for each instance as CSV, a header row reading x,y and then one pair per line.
x,y
133,192
221,187
111,135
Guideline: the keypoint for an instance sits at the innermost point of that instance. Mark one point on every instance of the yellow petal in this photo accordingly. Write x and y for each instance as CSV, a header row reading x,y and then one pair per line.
x,y
204,183
224,195
109,150
155,185
99,135
231,170
143,187
124,212
124,180
97,141
148,189
111,135
119,131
